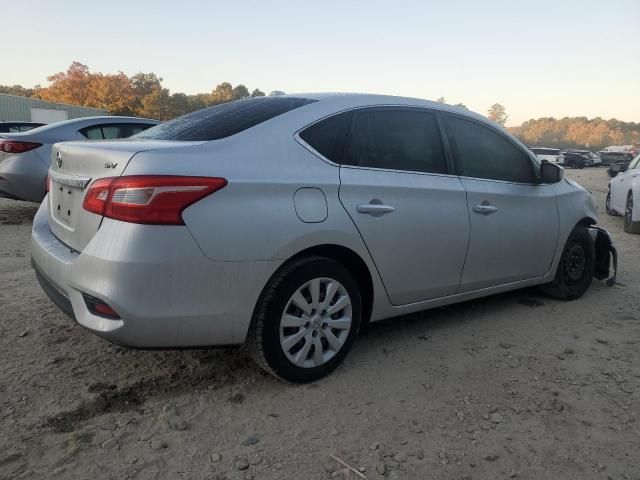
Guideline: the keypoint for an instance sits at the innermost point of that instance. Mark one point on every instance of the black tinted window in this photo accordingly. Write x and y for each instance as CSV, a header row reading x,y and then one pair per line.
x,y
396,139
224,120
328,136
113,131
481,152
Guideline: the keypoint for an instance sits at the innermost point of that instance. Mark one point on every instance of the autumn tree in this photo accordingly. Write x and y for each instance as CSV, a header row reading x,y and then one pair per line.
x,y
113,93
141,94
497,113
71,86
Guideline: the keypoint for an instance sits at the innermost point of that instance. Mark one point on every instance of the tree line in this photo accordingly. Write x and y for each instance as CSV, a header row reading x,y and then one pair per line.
x,y
143,95
140,95
577,132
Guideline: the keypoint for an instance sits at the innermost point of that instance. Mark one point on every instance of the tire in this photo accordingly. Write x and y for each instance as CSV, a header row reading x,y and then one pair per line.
x,y
576,267
581,164
629,225
274,346
607,205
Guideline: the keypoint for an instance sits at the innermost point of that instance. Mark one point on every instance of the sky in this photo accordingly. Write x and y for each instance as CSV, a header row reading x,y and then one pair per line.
x,y
538,58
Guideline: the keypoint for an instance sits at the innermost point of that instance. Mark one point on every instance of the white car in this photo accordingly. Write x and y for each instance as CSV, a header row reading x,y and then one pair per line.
x,y
624,193
552,155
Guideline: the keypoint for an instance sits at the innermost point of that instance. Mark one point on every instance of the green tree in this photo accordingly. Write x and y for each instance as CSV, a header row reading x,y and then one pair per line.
x,y
461,105
257,93
441,100
497,113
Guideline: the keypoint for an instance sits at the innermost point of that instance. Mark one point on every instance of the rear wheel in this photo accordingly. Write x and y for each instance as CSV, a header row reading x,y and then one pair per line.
x,y
306,320
576,267
629,225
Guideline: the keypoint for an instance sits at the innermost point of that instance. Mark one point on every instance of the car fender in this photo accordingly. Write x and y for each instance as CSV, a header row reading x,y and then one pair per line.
x,y
575,205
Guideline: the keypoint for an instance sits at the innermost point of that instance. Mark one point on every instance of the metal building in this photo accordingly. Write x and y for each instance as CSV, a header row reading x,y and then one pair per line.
x,y
27,109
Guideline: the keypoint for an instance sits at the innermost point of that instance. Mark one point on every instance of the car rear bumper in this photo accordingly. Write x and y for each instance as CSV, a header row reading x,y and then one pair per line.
x,y
165,291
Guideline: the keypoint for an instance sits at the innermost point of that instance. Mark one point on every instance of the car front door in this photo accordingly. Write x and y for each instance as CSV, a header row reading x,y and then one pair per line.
x,y
397,187
513,218
621,184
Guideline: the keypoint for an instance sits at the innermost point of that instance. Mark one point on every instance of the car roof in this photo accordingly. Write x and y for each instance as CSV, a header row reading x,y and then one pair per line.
x,y
346,100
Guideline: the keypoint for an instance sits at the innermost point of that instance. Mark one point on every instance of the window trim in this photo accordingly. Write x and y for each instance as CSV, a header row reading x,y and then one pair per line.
x,y
450,171
532,165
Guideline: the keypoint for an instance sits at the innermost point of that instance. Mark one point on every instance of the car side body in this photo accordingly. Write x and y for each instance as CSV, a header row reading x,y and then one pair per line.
x,y
624,195
25,156
413,240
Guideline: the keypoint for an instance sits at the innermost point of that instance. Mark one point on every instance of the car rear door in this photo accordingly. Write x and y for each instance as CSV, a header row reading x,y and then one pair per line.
x,y
513,218
397,187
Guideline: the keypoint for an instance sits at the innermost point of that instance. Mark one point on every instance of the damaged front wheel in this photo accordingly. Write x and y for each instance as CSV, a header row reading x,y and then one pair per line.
x,y
576,267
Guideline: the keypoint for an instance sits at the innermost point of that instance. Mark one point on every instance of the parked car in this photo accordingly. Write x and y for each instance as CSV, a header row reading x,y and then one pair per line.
x,y
287,222
609,157
25,157
549,154
624,193
591,158
573,159
615,168
17,127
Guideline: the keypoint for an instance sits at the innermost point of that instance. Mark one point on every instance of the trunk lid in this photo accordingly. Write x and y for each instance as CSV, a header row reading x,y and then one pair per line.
x,y
74,166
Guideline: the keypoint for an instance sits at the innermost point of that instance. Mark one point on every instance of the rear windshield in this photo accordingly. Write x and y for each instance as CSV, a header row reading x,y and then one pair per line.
x,y
223,120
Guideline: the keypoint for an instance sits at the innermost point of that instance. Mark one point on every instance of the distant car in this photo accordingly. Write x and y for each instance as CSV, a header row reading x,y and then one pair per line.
x,y
618,167
25,157
624,196
592,159
573,159
549,154
17,127
609,157
286,222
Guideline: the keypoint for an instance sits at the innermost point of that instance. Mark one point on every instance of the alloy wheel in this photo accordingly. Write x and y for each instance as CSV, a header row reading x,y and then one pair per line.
x,y
316,322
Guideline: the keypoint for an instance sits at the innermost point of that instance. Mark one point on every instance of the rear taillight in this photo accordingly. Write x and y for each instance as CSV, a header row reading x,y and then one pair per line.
x,y
154,200
13,146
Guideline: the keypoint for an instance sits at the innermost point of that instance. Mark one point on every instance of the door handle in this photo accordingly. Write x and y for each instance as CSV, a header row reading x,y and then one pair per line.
x,y
485,209
375,209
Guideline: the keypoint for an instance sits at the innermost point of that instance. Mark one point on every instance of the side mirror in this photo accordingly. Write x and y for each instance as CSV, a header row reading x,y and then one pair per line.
x,y
550,172
616,167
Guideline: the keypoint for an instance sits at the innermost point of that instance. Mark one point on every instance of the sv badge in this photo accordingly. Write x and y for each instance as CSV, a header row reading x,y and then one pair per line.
x,y
110,165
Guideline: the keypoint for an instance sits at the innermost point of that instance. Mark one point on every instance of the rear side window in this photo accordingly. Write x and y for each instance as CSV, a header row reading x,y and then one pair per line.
x,y
113,131
224,120
328,136
481,152
398,139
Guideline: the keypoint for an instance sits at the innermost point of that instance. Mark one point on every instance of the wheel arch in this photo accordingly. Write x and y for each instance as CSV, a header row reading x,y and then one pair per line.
x,y
350,260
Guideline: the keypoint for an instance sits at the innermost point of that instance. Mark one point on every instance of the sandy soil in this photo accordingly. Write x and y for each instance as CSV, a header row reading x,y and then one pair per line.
x,y
516,385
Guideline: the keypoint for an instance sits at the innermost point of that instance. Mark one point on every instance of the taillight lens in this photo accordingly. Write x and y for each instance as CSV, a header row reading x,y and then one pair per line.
x,y
154,200
13,146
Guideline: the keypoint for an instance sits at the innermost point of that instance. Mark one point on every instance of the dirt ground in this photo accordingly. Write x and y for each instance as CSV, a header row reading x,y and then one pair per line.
x,y
516,385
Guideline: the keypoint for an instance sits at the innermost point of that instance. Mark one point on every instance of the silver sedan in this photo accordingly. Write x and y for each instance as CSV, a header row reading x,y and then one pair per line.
x,y
24,157
287,222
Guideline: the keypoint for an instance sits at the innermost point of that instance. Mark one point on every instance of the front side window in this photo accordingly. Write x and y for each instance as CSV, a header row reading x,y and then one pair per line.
x,y
482,152
396,139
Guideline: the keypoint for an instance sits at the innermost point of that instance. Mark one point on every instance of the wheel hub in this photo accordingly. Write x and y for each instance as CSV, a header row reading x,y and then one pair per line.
x,y
316,322
575,263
